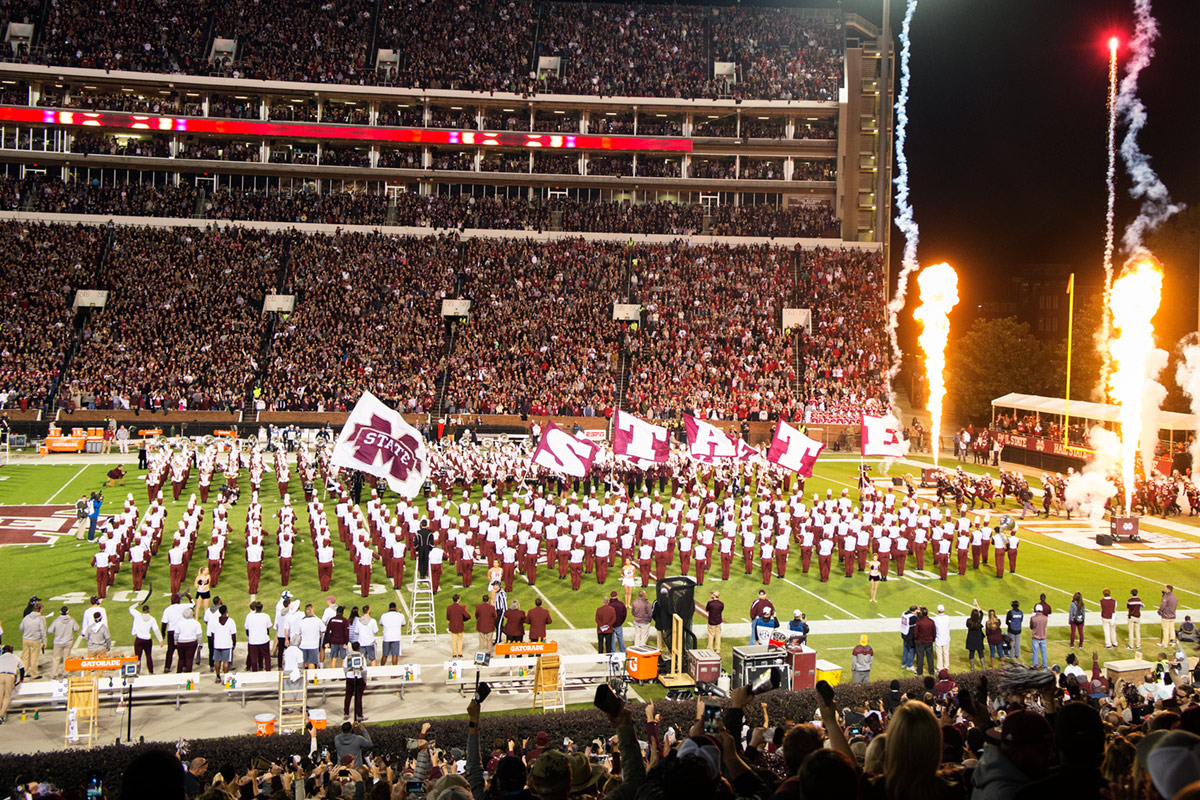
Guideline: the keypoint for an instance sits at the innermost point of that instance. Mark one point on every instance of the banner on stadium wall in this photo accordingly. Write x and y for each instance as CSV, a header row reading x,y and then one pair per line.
x,y
376,440
640,441
709,444
797,318
559,451
793,450
1051,446
881,437
627,312
594,434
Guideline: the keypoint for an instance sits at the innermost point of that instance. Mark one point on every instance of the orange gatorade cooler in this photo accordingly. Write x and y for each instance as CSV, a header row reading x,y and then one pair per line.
x,y
642,662
264,725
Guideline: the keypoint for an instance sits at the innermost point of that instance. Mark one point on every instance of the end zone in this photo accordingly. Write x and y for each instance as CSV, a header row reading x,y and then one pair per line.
x,y
24,525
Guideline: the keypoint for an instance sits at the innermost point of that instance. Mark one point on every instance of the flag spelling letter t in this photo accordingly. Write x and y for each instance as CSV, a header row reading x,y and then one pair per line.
x,y
377,440
792,449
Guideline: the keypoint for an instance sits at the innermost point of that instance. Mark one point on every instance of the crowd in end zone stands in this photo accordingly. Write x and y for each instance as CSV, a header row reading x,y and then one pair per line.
x,y
183,327
606,48
460,212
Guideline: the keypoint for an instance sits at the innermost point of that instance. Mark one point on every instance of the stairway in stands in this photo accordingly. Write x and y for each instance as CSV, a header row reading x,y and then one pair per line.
x,y
443,380
264,350
82,316
798,301
624,365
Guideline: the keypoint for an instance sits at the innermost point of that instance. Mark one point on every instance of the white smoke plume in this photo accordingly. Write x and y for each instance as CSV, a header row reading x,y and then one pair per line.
x,y
1088,491
1156,205
1187,375
904,211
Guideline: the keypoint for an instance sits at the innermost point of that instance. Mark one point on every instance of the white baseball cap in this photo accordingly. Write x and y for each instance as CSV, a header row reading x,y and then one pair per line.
x,y
941,608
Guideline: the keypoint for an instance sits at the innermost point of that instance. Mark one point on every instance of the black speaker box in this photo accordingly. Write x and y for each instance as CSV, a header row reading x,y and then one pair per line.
x,y
681,594
1104,539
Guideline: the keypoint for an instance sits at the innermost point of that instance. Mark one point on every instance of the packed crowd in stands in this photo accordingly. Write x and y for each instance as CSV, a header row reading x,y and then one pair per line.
x,y
712,323
845,356
460,212
541,338
1014,734
781,56
606,48
43,264
183,326
183,320
367,318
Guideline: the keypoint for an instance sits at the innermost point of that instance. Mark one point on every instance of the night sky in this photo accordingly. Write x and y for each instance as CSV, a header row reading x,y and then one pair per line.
x,y
1007,129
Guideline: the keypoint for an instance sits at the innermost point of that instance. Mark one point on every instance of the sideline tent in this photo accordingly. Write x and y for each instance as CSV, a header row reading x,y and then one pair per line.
x,y
1080,409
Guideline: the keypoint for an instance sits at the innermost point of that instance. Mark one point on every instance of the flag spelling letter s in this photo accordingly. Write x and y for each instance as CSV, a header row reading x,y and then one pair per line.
x,y
377,440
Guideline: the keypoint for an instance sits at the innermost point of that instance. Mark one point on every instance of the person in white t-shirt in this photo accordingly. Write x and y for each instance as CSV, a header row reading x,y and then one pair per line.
x,y
392,624
258,637
307,633
367,629
224,637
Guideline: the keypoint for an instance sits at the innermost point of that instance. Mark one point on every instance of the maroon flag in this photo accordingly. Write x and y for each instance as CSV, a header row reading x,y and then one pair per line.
x,y
559,451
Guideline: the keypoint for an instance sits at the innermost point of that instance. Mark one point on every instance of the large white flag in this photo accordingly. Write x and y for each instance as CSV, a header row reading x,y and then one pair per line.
x,y
377,440
640,441
793,450
559,451
708,444
881,437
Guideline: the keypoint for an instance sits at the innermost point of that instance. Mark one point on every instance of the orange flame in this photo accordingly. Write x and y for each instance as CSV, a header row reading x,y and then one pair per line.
x,y
1134,300
939,294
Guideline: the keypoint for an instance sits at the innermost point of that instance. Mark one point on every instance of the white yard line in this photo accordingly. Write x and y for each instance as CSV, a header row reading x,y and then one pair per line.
x,y
1103,564
822,599
65,485
553,607
404,605
938,591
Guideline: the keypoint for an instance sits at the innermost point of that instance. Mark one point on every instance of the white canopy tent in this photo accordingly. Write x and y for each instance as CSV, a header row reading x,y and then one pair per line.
x,y
1080,409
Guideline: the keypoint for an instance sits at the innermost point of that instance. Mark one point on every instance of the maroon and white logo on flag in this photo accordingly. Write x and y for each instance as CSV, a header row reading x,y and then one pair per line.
x,y
708,444
559,451
881,437
377,440
793,450
638,440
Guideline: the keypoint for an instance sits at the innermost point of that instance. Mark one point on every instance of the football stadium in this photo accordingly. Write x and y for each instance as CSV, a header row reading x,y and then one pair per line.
x,y
663,457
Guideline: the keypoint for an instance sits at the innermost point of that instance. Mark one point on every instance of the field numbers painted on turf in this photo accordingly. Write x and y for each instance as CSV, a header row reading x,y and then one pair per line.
x,y
377,588
125,596
922,575
71,598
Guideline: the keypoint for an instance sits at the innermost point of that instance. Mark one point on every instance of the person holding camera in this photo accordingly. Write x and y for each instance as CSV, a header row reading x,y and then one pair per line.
x,y
350,743
356,683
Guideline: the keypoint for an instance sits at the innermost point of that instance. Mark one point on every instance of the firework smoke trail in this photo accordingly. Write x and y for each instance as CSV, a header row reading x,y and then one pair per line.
x,y
1105,331
904,211
939,294
1156,204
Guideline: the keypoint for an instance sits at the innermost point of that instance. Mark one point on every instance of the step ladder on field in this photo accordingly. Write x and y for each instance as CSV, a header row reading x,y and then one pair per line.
x,y
424,625
293,704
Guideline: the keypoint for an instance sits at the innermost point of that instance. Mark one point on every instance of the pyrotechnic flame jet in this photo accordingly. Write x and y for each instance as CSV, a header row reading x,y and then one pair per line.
x,y
939,294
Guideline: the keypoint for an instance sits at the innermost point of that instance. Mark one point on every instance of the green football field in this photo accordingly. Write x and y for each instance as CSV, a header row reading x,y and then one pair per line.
x,y
61,573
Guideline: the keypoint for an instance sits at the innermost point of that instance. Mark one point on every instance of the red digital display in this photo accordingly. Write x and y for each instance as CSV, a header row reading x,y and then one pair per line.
x,y
363,133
